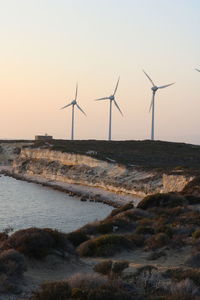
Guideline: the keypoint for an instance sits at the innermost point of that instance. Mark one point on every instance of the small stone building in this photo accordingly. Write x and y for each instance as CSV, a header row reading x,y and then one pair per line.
x,y
45,137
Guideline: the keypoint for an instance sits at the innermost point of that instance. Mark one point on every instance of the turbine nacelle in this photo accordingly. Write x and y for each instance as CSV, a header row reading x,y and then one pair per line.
x,y
154,88
74,102
112,100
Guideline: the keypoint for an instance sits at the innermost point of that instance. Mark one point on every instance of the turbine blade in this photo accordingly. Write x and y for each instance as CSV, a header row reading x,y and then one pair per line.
x,y
76,93
149,78
118,107
197,70
66,106
80,109
116,87
164,86
105,98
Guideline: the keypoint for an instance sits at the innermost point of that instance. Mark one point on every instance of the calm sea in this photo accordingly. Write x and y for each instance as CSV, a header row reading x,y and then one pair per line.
x,y
24,205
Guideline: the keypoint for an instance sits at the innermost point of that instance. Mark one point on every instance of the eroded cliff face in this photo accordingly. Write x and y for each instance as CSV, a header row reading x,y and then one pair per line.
x,y
86,170
9,151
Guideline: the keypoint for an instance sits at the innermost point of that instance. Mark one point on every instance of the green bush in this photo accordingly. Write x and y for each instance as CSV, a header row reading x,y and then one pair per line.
x,y
105,245
38,243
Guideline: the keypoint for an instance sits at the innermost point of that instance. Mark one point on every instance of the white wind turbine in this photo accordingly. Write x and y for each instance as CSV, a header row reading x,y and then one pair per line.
x,y
74,103
112,99
152,105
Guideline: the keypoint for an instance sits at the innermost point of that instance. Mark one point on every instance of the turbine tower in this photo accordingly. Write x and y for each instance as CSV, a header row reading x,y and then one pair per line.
x,y
112,99
73,104
152,105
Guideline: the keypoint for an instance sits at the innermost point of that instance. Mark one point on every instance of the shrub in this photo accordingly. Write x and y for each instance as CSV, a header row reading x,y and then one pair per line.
x,y
104,267
89,228
185,287
105,245
125,207
118,267
157,241
38,243
77,237
12,263
58,290
146,222
177,242
136,214
196,234
144,230
162,200
12,267
105,228
190,217
86,281
110,268
3,236
168,230
179,274
137,240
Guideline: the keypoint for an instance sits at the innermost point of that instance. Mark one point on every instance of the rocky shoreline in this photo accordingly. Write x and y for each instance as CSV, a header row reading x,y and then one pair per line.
x,y
157,242
85,193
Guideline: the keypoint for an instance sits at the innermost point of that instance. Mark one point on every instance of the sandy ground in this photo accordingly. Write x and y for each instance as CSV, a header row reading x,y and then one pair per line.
x,y
139,258
55,268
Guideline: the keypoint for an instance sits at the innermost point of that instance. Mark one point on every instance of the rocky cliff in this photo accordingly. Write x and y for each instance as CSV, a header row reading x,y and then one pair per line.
x,y
89,171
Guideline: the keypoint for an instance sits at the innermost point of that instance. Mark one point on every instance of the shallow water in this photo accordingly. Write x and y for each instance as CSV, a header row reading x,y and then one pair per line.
x,y
24,205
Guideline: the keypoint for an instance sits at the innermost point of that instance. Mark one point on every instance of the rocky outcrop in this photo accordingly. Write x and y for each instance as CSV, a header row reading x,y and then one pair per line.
x,y
89,171
10,150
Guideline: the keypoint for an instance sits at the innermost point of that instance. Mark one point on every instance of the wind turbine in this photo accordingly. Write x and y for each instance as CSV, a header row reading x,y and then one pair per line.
x,y
152,105
112,99
73,104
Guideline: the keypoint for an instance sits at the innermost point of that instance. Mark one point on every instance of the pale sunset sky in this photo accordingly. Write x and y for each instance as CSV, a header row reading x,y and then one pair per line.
x,y
49,45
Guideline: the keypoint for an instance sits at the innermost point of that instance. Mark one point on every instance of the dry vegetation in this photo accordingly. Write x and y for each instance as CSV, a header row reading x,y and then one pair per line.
x,y
148,154
160,224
